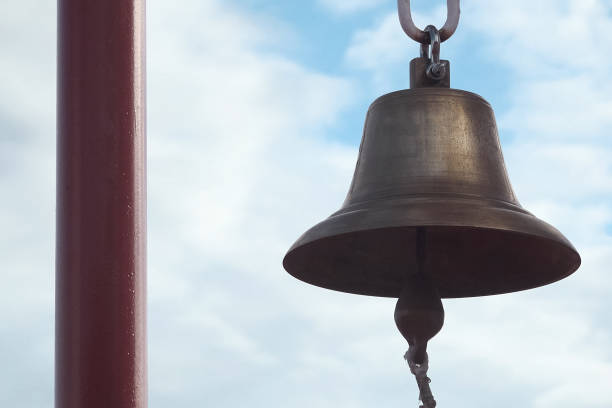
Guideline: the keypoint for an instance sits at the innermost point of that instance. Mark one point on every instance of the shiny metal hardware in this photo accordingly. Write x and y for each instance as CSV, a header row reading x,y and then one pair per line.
x,y
436,70
447,30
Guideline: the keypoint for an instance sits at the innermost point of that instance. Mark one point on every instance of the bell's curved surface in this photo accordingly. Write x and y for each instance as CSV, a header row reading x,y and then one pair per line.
x,y
431,157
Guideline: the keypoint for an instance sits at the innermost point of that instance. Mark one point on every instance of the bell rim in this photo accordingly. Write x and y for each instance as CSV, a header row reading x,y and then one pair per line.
x,y
540,230
395,294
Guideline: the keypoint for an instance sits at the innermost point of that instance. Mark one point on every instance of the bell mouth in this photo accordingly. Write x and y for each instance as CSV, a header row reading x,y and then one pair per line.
x,y
474,247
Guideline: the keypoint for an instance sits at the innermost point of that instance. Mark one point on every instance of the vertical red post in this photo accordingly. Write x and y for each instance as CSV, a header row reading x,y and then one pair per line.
x,y
101,214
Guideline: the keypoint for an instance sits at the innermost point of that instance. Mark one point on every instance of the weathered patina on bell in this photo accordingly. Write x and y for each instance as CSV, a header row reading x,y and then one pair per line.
x,y
430,212
430,158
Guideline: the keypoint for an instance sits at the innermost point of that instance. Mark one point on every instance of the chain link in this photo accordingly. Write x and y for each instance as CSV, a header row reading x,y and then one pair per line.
x,y
447,30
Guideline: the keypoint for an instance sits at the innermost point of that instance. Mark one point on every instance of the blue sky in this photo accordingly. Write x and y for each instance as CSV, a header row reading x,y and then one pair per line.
x,y
255,109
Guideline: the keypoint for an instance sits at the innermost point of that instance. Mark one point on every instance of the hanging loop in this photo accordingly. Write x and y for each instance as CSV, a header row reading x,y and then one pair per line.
x,y
431,49
449,27
435,69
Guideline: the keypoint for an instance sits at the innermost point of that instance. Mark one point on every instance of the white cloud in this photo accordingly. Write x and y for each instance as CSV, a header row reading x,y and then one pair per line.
x,y
536,340
576,107
239,167
378,47
545,38
588,168
566,395
350,6
27,170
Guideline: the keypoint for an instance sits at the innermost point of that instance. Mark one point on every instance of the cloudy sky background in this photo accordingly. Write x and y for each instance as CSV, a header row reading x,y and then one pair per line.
x,y
255,110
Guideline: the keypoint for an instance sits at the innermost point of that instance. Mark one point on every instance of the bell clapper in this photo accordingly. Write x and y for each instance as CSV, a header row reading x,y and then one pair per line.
x,y
419,316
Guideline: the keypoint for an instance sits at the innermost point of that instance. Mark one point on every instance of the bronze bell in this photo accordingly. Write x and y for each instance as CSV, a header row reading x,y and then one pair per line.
x,y
430,159
430,212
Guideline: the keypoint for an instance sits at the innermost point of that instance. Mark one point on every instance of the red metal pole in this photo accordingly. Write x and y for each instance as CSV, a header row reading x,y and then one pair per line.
x,y
101,213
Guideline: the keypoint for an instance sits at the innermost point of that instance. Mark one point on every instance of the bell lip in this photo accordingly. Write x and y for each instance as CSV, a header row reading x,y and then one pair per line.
x,y
540,231
569,247
420,92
